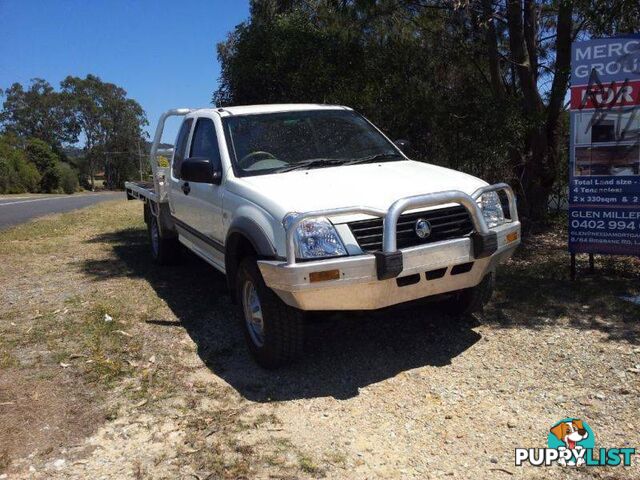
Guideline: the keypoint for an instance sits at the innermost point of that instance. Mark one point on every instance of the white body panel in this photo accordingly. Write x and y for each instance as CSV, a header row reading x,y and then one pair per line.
x,y
201,208
376,185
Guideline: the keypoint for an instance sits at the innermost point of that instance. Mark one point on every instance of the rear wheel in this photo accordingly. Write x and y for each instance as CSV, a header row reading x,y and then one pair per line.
x,y
274,331
471,300
165,251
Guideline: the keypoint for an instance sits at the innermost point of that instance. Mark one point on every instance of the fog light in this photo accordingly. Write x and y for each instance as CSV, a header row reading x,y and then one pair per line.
x,y
324,276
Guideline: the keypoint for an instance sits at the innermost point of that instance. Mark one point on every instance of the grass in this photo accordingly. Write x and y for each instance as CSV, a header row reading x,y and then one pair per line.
x,y
83,334
47,234
4,460
108,345
336,458
308,465
63,275
52,315
7,360
536,289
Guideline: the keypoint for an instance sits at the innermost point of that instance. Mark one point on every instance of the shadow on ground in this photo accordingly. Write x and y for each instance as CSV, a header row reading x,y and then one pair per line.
x,y
348,351
535,291
343,353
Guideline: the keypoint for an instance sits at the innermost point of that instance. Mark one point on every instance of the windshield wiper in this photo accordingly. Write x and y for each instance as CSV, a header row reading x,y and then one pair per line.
x,y
328,162
311,163
374,158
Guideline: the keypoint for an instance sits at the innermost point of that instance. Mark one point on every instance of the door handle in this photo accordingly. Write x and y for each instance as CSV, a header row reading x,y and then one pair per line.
x,y
186,188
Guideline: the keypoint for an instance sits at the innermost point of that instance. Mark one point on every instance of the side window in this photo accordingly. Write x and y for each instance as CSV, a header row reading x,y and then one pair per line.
x,y
181,146
205,141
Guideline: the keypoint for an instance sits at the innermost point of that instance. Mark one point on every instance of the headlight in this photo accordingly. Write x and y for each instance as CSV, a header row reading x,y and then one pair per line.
x,y
491,209
316,238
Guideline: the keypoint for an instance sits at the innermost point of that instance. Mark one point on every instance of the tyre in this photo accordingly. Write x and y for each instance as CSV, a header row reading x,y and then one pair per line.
x,y
471,300
274,331
165,251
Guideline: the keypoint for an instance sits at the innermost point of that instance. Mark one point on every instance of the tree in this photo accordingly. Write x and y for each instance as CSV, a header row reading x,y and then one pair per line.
x,y
40,154
86,96
47,162
478,85
126,119
402,67
38,112
111,125
44,123
17,174
531,29
527,54
68,178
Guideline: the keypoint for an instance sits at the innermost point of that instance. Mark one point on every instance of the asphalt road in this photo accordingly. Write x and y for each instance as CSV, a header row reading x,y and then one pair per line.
x,y
18,209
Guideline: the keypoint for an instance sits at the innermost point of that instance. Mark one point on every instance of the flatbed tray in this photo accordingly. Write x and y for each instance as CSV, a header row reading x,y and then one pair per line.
x,y
141,190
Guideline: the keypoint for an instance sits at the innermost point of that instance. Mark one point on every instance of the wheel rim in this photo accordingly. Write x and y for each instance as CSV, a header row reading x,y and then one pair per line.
x,y
253,313
155,237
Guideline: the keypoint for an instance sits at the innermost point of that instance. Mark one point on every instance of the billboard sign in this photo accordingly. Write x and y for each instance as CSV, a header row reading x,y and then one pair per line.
x,y
604,178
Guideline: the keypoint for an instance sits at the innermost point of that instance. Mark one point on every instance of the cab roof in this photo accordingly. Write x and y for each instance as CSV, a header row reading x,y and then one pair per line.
x,y
270,108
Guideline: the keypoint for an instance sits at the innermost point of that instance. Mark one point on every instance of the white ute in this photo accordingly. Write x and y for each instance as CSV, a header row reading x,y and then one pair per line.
x,y
311,207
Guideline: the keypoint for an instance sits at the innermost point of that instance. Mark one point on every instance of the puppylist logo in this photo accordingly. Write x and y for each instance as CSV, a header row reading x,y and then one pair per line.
x,y
571,442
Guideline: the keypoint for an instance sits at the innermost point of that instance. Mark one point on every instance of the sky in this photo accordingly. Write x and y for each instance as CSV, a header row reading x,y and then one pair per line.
x,y
163,52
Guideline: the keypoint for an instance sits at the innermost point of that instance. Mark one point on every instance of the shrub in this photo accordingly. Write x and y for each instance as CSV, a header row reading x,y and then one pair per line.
x,y
68,178
9,181
50,181
41,154
17,175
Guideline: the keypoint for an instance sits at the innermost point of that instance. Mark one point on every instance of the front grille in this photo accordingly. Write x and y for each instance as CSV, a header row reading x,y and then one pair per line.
x,y
446,223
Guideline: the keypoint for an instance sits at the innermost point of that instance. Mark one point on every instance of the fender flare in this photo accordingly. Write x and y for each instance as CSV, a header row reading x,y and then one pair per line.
x,y
254,233
244,227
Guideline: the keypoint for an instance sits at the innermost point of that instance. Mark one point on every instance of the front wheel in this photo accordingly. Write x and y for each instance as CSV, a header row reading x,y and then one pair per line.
x,y
274,331
471,300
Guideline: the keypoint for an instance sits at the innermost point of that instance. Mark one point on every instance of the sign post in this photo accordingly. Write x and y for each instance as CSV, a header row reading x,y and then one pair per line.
x,y
604,168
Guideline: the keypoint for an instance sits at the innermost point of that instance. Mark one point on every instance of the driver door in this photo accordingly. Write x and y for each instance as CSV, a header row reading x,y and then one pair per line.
x,y
205,199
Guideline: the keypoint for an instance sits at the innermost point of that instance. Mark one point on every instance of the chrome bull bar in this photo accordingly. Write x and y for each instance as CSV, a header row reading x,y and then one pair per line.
x,y
389,260
390,222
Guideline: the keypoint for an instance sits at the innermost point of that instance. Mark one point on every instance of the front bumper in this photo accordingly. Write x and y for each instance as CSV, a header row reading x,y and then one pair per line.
x,y
364,282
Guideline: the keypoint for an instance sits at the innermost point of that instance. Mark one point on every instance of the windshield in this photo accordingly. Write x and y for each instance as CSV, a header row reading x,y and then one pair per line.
x,y
277,142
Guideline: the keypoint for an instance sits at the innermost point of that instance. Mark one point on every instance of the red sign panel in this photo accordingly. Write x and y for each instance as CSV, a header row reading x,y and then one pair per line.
x,y
614,94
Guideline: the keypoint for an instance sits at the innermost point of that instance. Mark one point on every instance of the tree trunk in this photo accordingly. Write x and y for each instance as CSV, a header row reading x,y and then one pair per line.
x,y
537,167
491,39
537,175
92,175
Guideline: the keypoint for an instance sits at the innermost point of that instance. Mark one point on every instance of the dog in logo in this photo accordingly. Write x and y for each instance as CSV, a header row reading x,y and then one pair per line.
x,y
570,433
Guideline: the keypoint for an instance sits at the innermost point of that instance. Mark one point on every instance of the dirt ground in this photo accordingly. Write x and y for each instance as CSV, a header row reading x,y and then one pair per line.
x,y
111,367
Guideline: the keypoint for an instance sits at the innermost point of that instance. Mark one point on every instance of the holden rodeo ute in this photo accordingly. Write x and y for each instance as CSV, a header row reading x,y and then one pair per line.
x,y
311,207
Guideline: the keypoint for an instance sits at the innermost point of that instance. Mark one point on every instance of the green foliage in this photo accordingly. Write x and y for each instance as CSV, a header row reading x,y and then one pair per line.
x,y
57,176
287,58
38,112
409,75
17,174
68,182
41,154
111,124
476,85
45,122
33,167
50,180
610,17
29,176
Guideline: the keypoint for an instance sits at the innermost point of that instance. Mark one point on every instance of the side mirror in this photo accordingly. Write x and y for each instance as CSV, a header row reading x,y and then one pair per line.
x,y
200,170
405,146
